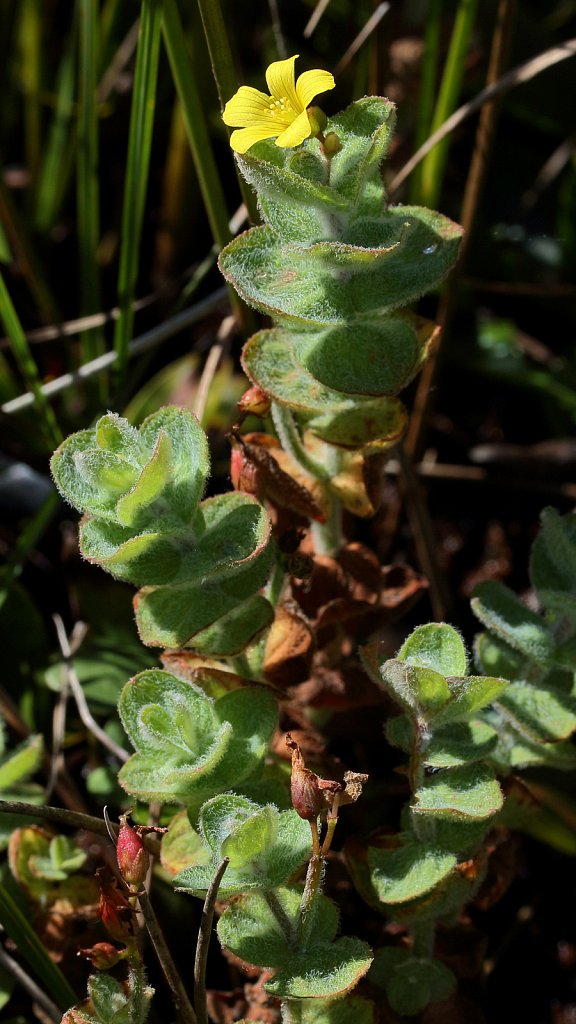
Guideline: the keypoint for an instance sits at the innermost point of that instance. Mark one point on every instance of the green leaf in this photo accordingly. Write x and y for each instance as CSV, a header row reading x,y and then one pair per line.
x,y
265,847
553,555
304,285
409,871
18,765
338,1011
270,360
501,611
469,695
411,983
469,793
497,658
322,971
541,713
420,691
111,1003
189,746
250,929
437,646
365,129
459,743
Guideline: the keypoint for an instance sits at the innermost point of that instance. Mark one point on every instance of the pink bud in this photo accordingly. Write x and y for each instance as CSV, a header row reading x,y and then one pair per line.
x,y
103,955
131,855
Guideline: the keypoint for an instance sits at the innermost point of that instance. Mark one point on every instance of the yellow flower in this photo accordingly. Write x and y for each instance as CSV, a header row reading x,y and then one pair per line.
x,y
282,115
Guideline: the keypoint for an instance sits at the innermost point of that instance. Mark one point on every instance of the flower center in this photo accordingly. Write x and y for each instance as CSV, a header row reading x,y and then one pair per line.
x,y
279,107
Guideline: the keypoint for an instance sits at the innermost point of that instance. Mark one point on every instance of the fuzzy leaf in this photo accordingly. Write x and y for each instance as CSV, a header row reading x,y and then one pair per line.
x,y
410,982
460,743
420,691
265,847
304,285
553,555
501,611
338,1011
437,646
189,746
111,1003
541,713
409,871
467,793
251,931
269,359
19,764
468,696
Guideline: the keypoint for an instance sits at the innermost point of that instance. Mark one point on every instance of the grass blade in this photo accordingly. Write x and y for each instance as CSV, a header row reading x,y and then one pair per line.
x,y
427,88
87,190
193,111
434,165
27,366
54,173
138,163
30,946
224,75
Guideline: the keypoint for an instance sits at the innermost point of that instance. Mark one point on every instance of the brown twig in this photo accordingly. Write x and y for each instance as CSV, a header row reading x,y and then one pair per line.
x,y
423,534
184,1010
203,943
78,694
29,985
518,76
73,819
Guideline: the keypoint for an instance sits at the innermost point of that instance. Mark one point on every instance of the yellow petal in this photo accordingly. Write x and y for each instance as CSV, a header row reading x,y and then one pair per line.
x,y
280,81
246,106
243,138
311,84
296,133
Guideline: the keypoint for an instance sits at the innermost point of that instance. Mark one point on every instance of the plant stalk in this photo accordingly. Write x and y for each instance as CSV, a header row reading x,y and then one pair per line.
x,y
203,943
184,1009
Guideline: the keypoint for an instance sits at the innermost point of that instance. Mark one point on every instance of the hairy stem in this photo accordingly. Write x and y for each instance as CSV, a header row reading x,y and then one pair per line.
x,y
291,1011
292,443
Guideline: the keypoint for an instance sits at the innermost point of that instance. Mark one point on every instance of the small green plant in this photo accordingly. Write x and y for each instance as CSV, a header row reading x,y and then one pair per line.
x,y
335,267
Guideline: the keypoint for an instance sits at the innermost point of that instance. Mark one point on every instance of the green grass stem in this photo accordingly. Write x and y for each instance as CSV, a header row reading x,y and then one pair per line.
x,y
30,41
25,254
31,948
54,173
434,164
136,183
27,366
194,114
87,187
224,75
427,94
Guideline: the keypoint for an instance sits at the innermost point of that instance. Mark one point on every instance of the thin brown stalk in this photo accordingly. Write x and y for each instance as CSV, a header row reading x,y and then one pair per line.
x,y
423,534
372,23
11,966
72,819
78,694
211,365
518,76
203,943
184,1010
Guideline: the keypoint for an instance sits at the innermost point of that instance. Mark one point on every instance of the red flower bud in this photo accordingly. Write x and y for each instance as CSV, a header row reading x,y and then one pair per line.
x,y
255,402
103,955
131,854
